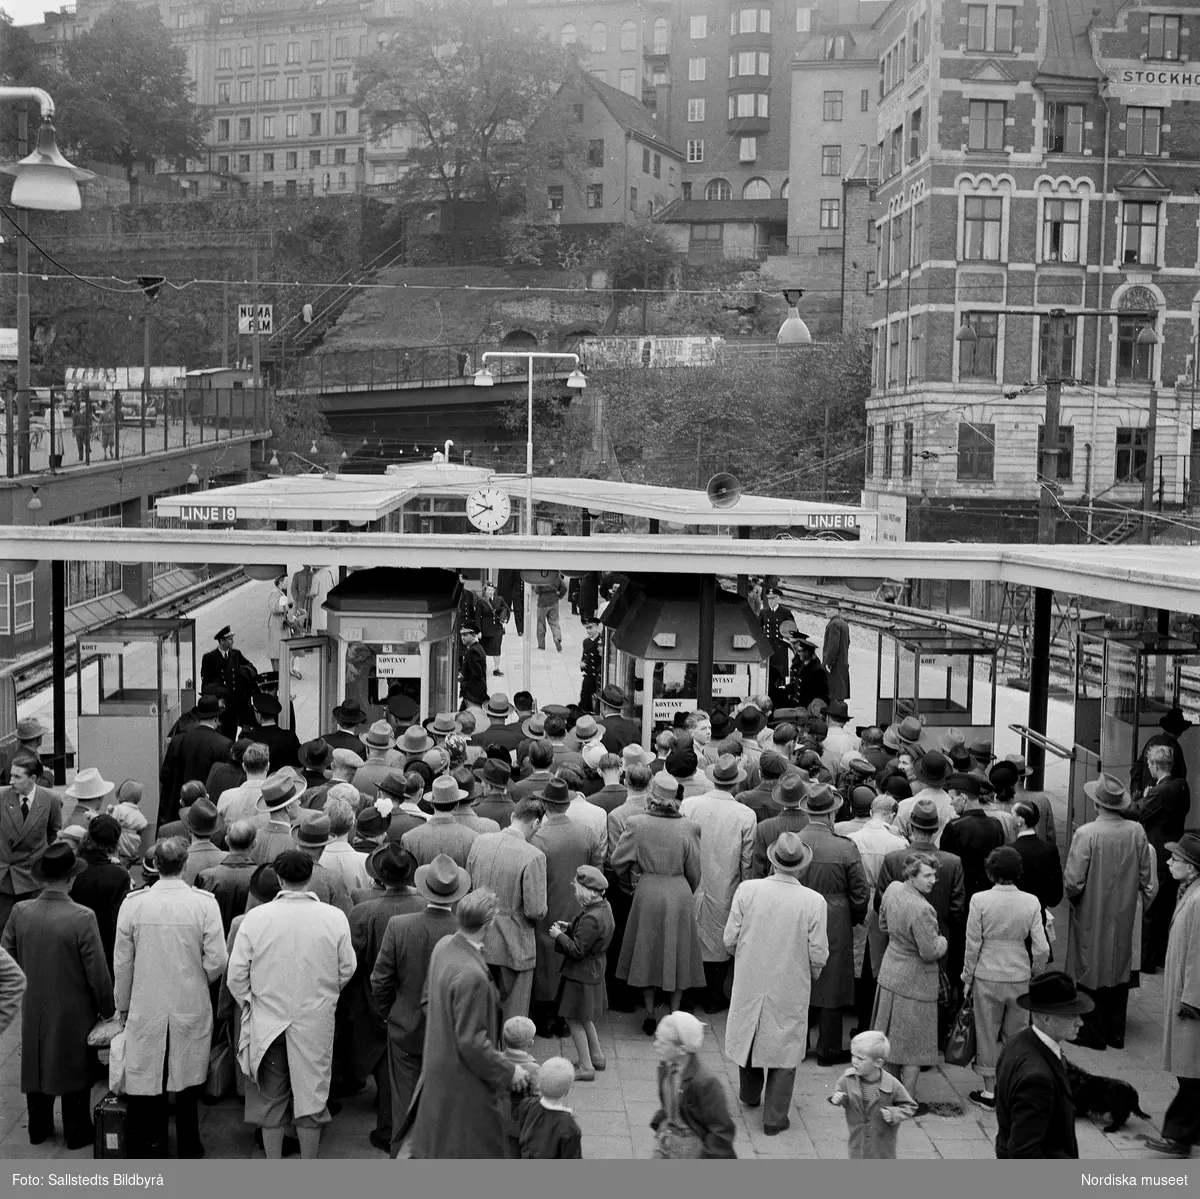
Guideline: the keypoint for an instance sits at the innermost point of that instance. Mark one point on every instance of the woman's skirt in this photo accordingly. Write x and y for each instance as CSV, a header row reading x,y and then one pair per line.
x,y
582,1002
909,1024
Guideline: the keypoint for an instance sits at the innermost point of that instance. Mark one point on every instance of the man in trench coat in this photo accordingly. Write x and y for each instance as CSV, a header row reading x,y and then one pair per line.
x,y
170,946
835,654
57,943
777,934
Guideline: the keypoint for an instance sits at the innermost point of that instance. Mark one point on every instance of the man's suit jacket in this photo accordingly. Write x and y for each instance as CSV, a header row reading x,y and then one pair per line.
x,y
190,756
398,979
767,832
971,838
23,840
1034,1110
343,740
283,744
507,735
1041,871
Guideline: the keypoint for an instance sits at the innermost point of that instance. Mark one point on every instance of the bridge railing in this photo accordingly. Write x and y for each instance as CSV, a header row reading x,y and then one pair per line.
x,y
388,369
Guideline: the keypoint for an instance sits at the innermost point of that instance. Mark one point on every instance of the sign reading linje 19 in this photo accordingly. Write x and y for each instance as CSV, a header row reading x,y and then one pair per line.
x,y
208,514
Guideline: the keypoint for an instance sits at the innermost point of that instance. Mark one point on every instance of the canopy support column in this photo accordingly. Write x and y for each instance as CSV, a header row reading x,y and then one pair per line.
x,y
704,650
1039,685
58,658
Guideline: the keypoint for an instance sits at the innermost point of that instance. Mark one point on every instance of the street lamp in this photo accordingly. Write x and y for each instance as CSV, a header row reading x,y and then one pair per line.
x,y
793,332
576,380
966,334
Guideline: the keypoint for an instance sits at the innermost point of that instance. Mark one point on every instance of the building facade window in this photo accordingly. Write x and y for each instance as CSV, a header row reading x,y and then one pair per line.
x,y
314,124
831,106
268,162
756,189
314,158
869,456
706,232
697,69
223,129
316,50
628,35
698,27
1060,230
596,152
293,87
831,214
1139,234
718,189
696,110
1132,445
244,163
1002,31
981,228
896,249
916,254
88,581
977,359
1064,128
269,58
803,20
568,36
906,453
291,125
976,452
292,160
896,159
1162,43
1135,362
1066,368
914,135
835,47
341,83
245,91
977,26
831,160
225,59
223,93
340,122
1066,453
598,42
748,149
595,195
1143,131
985,129
244,129
293,52
268,90
889,430
695,149
222,164
662,36
633,199
341,47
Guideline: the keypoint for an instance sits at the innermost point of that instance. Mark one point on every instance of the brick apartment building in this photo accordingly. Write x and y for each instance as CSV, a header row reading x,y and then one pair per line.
x,y
1034,155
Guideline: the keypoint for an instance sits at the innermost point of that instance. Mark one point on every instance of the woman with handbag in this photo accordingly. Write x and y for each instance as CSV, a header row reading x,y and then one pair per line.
x,y
996,965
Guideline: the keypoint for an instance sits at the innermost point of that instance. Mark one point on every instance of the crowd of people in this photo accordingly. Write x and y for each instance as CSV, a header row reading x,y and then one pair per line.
x,y
409,906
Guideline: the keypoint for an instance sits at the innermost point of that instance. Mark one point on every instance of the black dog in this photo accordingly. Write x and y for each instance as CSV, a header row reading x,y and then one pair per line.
x,y
1093,1093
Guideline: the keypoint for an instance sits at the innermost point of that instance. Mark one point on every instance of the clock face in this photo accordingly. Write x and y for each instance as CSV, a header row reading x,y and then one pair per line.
x,y
488,509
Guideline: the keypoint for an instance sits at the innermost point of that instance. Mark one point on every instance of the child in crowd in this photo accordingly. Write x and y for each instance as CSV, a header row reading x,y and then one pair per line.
x,y
518,1036
581,994
547,1128
874,1101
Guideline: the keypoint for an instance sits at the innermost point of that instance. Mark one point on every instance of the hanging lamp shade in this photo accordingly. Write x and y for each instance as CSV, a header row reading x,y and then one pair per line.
x,y
45,180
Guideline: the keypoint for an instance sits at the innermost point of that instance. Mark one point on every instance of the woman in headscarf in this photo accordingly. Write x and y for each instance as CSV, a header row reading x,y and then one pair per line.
x,y
693,1119
659,857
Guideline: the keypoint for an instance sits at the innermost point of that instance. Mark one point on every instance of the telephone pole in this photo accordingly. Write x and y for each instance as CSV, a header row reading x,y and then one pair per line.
x,y
1048,466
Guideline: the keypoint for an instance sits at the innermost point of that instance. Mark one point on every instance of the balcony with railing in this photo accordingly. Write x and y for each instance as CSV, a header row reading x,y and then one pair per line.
x,y
807,245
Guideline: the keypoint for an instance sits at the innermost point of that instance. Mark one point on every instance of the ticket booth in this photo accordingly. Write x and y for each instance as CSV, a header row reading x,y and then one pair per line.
x,y
134,679
1124,685
947,679
652,647
392,633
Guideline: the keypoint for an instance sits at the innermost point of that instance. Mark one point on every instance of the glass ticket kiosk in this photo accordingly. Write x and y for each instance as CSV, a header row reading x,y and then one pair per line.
x,y
939,677
135,678
652,648
396,638
1124,685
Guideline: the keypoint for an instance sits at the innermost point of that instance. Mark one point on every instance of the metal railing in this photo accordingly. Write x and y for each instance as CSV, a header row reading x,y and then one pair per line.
x,y
82,426
804,245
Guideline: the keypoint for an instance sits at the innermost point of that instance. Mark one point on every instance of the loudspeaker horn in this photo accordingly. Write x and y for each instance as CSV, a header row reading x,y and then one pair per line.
x,y
724,490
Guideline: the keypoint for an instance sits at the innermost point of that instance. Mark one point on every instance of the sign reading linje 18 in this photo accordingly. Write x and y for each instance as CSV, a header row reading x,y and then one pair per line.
x,y
208,514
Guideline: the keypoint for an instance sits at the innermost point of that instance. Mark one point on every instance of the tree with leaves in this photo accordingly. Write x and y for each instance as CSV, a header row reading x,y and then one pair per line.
x,y
125,93
473,83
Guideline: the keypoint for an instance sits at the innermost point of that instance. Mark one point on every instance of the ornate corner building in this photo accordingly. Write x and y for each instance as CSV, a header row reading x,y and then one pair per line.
x,y
1035,155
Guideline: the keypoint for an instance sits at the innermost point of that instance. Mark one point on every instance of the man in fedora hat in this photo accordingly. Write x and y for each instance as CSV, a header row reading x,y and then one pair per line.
x,y
972,834
465,812
533,730
229,881
540,765
411,746
30,819
378,740
441,832
29,734
772,618
400,973
283,743
932,770
556,735
364,1046
726,851
507,864
290,961
1035,1114
835,654
776,932
771,768
348,717
501,729
567,846
227,673
405,792
1109,867
1173,724
190,755
1162,811
840,740
619,730
201,821
314,759
495,802
472,669
786,796
311,834
279,802
56,942
836,872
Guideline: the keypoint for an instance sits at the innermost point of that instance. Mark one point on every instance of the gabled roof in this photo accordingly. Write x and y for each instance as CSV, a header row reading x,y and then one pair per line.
x,y
1068,47
716,211
862,44
631,114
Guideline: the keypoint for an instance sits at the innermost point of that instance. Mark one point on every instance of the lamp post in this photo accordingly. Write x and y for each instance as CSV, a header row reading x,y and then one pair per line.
x,y
576,381
793,333
46,181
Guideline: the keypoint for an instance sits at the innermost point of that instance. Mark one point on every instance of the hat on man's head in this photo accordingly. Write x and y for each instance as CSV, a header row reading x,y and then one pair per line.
x,y
392,784
347,758
535,727
924,816
682,763
796,716
556,792
750,721
891,738
496,771
898,787
1108,792
856,763
57,863
414,740
590,877
391,865
349,714
818,729
442,725
790,791
821,800
1003,774
1055,994
968,784
960,758
1174,723
371,822
89,784
789,853
558,710
726,772
1018,760
772,765
586,729
378,736
31,729
909,730
981,750
442,881
201,818
634,753
315,755
932,768
311,831
664,791
223,632
209,707
266,705
1187,847
278,791
612,696
862,798
105,830
446,793
838,710
721,724
497,704
469,626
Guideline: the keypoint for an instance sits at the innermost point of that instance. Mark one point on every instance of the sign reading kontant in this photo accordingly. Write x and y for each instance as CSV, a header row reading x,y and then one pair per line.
x,y
208,514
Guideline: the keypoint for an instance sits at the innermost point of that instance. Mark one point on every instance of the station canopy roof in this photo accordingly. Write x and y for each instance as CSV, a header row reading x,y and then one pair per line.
x,y
361,499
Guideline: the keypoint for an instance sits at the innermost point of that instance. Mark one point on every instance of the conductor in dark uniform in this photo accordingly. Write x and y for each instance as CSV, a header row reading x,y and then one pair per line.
x,y
808,681
591,662
225,672
772,618
472,671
